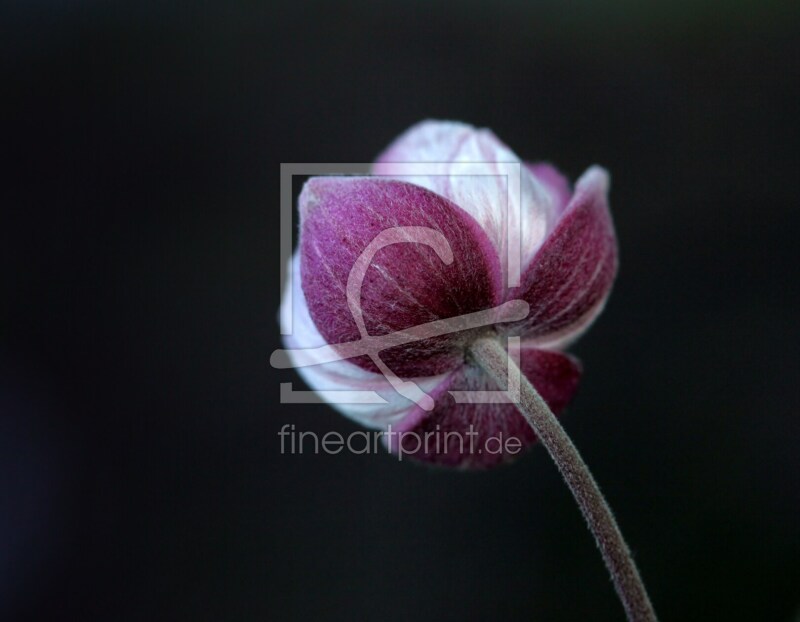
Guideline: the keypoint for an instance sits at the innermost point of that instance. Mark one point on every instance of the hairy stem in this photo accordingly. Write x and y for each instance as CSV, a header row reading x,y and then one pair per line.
x,y
492,357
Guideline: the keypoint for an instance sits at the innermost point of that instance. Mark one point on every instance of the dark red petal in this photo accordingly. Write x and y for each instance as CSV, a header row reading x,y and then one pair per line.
x,y
407,284
569,279
477,435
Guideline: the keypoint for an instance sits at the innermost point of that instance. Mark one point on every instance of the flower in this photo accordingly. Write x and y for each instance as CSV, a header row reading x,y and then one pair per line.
x,y
567,264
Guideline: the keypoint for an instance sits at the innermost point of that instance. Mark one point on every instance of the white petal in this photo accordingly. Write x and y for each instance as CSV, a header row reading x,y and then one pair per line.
x,y
465,165
342,376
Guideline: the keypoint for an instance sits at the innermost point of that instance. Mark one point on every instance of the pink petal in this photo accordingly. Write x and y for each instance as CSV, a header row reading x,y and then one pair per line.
x,y
464,164
343,377
558,185
477,435
570,278
406,284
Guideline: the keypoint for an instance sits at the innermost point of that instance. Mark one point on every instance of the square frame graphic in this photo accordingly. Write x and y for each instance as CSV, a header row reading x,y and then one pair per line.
x,y
510,171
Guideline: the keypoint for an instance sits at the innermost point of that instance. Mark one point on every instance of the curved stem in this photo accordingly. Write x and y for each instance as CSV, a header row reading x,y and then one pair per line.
x,y
492,357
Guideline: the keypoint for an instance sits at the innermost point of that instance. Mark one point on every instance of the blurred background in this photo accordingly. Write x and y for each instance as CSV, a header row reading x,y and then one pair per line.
x,y
140,468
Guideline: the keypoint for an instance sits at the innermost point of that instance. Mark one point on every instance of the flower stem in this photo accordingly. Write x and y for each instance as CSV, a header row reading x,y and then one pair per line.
x,y
492,357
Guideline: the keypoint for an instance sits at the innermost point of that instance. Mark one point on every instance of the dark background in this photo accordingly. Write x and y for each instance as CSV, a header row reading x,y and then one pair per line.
x,y
140,471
